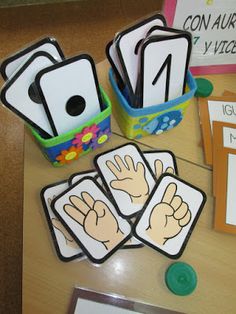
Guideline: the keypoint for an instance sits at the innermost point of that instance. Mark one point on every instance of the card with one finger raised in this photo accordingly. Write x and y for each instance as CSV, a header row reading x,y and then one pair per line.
x,y
170,215
66,247
127,175
92,219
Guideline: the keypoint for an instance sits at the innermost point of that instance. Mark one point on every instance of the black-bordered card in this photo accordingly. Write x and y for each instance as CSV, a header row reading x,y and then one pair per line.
x,y
13,62
70,93
92,219
127,175
21,97
112,57
74,178
161,162
66,247
127,42
170,215
164,64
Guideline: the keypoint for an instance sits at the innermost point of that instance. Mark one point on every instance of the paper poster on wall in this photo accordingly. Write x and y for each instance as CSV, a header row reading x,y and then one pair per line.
x,y
212,24
222,109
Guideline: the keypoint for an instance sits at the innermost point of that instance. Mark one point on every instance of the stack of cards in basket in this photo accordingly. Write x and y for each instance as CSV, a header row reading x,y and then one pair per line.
x,y
150,61
130,199
48,91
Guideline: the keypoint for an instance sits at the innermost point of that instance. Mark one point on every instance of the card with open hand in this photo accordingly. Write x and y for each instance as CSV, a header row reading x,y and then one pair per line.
x,y
13,62
66,247
170,215
21,97
161,162
92,219
127,175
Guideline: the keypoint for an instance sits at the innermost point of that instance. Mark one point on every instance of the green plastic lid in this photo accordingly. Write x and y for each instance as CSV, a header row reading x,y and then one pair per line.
x,y
181,278
204,87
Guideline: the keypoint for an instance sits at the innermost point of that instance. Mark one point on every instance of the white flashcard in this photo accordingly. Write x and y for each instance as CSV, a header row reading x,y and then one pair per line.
x,y
75,177
127,175
70,93
170,215
127,42
112,56
20,96
163,68
49,45
66,247
161,162
92,219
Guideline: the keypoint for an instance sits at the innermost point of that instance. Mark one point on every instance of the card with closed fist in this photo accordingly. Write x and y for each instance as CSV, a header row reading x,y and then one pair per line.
x,y
161,162
70,93
66,247
13,62
20,95
127,43
164,63
128,177
92,219
170,215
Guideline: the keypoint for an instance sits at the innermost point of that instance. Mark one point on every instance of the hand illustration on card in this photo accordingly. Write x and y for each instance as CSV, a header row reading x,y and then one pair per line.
x,y
69,240
129,178
168,217
159,169
96,219
58,225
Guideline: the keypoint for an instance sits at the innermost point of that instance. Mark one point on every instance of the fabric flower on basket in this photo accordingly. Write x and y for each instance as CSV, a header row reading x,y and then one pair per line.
x,y
67,156
102,138
87,134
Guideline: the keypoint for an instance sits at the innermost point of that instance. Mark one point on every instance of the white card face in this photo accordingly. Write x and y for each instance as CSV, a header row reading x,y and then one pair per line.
x,y
126,42
114,60
48,45
164,65
231,195
222,111
229,137
74,178
66,247
161,162
170,215
93,220
127,176
76,99
16,93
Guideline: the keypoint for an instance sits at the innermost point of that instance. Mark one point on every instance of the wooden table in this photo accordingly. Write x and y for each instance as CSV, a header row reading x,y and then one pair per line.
x,y
137,273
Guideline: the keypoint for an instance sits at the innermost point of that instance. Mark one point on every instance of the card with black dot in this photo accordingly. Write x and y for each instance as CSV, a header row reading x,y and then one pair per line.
x,y
70,93
21,97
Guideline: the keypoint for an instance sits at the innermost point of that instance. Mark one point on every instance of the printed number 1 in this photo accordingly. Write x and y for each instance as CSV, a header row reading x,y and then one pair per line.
x,y
167,65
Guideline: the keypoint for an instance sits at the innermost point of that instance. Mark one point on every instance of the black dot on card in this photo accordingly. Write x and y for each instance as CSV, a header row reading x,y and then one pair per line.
x,y
75,105
33,94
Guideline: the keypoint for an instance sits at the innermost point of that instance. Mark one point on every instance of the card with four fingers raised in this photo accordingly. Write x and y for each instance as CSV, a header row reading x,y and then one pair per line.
x,y
92,219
